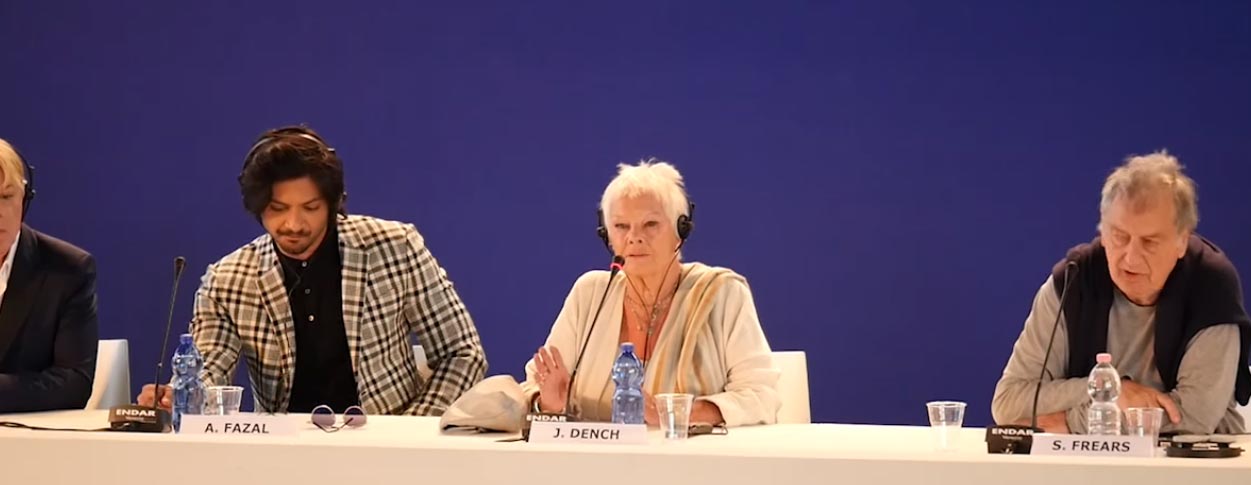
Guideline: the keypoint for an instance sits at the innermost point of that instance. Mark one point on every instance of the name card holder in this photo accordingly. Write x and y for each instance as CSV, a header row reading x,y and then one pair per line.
x,y
588,433
1048,444
244,424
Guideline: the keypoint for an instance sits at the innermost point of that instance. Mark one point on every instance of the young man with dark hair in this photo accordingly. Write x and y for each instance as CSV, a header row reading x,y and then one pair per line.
x,y
323,304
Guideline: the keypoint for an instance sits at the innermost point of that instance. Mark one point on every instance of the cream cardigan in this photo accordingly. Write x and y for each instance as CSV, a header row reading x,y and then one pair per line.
x,y
711,345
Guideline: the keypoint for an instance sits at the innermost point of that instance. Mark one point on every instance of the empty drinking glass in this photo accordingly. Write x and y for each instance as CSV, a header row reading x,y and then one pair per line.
x,y
674,411
222,400
946,419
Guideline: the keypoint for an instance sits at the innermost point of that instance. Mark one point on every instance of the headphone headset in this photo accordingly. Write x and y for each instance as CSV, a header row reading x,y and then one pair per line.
x,y
685,224
286,132
28,194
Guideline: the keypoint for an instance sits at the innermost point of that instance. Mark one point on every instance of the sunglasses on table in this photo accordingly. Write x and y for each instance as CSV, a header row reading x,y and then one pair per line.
x,y
324,417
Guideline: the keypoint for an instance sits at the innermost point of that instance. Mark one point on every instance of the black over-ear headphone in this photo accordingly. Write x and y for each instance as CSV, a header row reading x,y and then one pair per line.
x,y
28,194
247,159
685,224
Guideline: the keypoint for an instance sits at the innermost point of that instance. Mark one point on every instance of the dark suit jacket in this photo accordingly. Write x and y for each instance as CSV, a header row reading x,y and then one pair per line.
x,y
48,333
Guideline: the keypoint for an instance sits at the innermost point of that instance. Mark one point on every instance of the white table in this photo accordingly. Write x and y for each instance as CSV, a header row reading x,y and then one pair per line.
x,y
401,450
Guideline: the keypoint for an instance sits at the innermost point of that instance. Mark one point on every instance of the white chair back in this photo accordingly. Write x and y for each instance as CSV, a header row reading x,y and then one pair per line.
x,y
112,379
793,387
1246,414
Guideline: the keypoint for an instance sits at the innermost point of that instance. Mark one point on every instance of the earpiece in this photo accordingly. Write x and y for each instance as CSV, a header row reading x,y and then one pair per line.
x,y
685,224
28,194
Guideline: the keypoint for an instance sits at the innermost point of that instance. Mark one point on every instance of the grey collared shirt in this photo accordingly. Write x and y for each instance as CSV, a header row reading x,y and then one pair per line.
x,y
1205,379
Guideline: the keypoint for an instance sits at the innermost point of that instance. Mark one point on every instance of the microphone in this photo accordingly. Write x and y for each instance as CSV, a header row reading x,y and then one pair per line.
x,y
1068,280
565,415
618,263
1012,438
151,419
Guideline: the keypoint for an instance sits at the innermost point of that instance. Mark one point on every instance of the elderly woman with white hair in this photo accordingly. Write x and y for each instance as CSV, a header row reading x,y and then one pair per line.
x,y
1164,302
694,326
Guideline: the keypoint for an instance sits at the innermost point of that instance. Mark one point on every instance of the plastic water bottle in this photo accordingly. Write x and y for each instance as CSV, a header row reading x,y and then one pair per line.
x,y
1104,385
627,400
188,388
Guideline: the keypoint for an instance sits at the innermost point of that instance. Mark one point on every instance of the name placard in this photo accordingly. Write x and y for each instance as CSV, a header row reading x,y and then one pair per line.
x,y
240,424
588,433
1082,445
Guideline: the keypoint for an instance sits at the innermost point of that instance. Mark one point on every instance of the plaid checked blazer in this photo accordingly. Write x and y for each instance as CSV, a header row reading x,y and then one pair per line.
x,y
392,287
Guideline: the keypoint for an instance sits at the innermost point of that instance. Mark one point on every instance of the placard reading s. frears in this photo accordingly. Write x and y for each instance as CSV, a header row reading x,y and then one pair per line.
x,y
1081,445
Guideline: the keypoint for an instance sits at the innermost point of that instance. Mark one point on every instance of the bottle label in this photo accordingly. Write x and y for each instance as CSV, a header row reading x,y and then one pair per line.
x,y
587,433
1083,445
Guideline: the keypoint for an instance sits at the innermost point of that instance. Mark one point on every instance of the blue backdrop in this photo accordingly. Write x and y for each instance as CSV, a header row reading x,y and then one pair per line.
x,y
895,178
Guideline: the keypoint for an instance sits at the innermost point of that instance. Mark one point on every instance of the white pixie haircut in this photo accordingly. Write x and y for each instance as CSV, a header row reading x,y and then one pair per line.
x,y
653,177
1145,176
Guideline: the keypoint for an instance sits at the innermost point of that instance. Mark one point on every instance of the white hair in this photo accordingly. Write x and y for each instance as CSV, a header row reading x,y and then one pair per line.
x,y
1144,176
650,177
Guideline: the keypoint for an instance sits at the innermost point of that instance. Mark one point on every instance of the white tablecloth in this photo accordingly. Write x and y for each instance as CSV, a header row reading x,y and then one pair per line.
x,y
400,450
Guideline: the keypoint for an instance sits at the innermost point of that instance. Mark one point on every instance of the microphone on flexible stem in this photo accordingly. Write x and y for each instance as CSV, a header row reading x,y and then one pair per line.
x,y
1068,280
618,263
1017,439
143,418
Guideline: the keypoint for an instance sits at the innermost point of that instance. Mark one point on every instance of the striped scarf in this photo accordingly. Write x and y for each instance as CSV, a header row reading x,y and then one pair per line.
x,y
687,359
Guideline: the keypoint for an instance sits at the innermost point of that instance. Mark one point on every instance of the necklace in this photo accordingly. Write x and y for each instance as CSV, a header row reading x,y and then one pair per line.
x,y
652,320
662,301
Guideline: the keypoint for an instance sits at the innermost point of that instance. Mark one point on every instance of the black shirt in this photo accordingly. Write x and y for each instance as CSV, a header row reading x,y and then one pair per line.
x,y
323,364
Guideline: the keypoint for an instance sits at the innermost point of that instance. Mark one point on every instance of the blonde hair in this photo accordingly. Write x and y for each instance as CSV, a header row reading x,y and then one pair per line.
x,y
652,177
12,170
1144,176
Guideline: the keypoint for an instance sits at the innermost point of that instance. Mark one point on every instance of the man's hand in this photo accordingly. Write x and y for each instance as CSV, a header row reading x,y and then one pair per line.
x,y
148,395
1135,395
1056,422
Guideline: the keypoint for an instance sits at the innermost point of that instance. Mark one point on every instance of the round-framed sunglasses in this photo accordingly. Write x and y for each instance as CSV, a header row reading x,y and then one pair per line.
x,y
323,417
